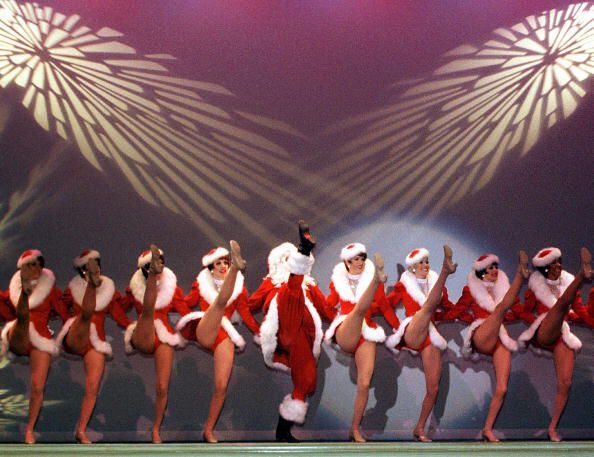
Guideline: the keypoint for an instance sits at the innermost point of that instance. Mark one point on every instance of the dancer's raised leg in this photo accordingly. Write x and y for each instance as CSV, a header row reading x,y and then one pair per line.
x,y
365,362
418,328
94,366
208,327
549,330
485,337
348,333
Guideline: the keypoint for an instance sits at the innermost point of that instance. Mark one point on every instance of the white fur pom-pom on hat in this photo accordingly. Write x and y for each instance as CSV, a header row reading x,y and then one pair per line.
x,y
484,261
352,250
30,255
84,257
415,256
146,257
213,255
546,256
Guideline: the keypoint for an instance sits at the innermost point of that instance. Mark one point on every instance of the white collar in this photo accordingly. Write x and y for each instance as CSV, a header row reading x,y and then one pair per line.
x,y
105,291
166,285
42,289
340,279
206,286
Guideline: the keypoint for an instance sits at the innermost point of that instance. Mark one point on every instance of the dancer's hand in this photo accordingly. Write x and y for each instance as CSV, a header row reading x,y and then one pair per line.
x,y
236,259
380,274
93,273
157,263
306,241
523,264
448,263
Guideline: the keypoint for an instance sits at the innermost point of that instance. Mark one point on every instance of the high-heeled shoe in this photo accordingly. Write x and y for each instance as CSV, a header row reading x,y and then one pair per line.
x,y
30,437
421,438
357,439
81,438
554,436
209,438
489,437
157,438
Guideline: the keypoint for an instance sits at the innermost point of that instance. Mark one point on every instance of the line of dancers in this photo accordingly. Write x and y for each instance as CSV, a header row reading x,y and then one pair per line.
x,y
290,334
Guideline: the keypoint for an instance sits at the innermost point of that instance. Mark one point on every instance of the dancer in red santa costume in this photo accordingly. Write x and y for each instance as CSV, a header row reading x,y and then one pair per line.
x,y
356,293
413,290
490,296
33,296
219,291
154,293
91,296
551,293
291,332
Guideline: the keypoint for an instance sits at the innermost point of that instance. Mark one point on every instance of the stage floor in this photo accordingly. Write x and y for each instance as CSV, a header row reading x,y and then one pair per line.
x,y
517,448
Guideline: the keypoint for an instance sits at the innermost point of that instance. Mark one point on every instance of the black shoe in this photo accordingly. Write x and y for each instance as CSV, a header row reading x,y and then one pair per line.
x,y
283,431
307,241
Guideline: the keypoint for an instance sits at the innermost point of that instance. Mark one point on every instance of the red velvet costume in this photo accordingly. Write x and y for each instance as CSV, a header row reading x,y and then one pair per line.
x,y
204,293
107,302
342,300
43,301
170,298
542,294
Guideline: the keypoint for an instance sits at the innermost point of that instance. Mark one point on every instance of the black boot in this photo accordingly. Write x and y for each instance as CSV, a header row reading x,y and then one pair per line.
x,y
283,431
306,241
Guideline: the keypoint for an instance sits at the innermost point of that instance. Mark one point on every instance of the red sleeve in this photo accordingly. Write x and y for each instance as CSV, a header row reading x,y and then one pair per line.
x,y
395,297
447,311
116,310
526,311
179,303
7,311
385,308
193,297
58,305
244,311
258,298
128,301
463,308
580,313
319,301
331,303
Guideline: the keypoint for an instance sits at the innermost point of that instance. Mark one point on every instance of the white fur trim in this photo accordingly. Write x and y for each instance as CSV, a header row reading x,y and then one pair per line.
x,y
4,336
28,256
375,335
415,256
235,318
467,349
185,320
570,339
37,341
84,257
105,291
146,257
234,335
434,336
546,256
278,269
484,261
44,286
537,284
208,291
352,250
166,285
481,295
268,336
341,281
128,337
98,344
331,330
214,255
293,410
165,336
299,264
411,285
317,344
257,340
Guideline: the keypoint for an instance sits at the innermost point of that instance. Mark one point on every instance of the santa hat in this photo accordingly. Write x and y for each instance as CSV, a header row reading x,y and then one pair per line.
x,y
546,256
415,256
213,255
146,257
30,255
84,257
352,250
484,261
280,253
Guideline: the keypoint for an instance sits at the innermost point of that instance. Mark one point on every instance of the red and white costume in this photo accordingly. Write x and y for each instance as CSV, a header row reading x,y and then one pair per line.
x,y
413,293
44,300
291,332
482,297
170,298
346,291
542,294
205,290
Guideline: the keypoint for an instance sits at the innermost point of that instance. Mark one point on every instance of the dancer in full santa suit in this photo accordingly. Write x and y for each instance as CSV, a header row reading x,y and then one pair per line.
x,y
154,293
413,290
221,295
33,296
552,292
356,293
490,297
91,296
291,332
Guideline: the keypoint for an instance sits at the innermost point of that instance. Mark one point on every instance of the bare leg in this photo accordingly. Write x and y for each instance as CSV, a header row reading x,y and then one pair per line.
x,y
94,366
208,327
418,328
502,364
349,332
223,364
40,363
564,359
549,330
486,336
163,364
18,338
431,357
143,337
365,362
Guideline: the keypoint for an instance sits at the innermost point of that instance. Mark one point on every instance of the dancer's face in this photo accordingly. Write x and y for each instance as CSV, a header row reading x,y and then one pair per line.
x,y
421,269
555,270
33,269
356,265
492,273
221,267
